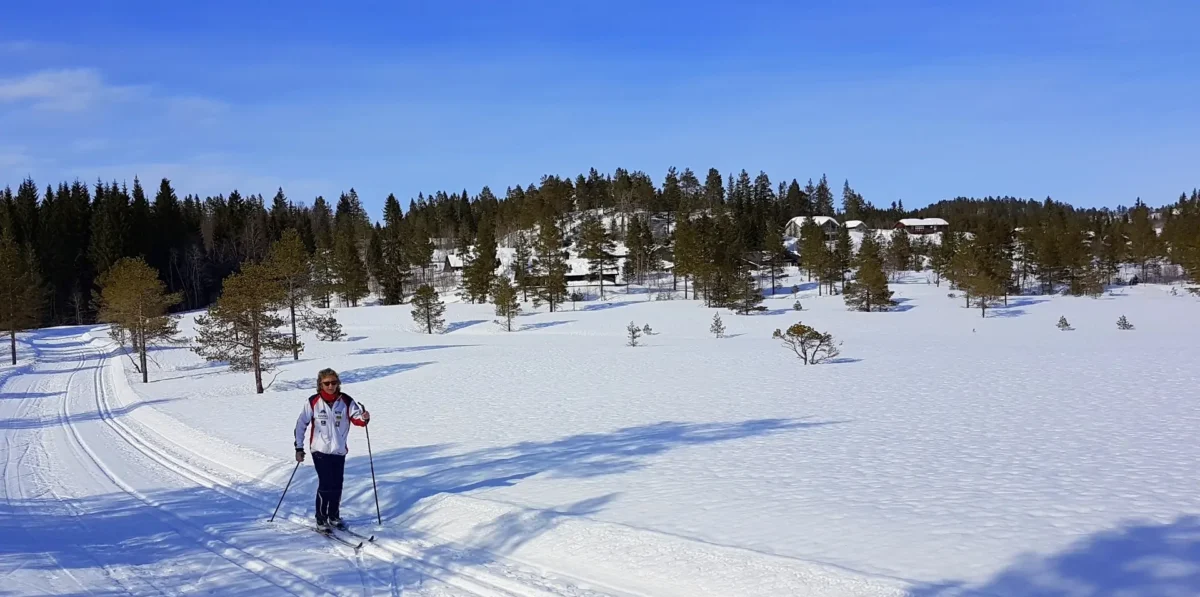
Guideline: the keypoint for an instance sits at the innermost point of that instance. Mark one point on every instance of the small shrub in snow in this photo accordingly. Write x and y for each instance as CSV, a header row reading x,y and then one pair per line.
x,y
325,325
634,332
427,310
718,327
1123,324
647,331
1063,325
797,306
810,346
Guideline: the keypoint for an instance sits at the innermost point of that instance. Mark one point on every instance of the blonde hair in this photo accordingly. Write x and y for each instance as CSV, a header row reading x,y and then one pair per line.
x,y
322,374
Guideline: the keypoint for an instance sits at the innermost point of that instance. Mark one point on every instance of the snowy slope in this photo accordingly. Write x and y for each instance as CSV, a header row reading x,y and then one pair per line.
x,y
944,453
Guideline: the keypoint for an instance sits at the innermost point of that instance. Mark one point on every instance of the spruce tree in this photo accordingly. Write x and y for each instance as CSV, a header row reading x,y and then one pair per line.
x,y
21,296
687,253
427,309
773,252
504,296
394,265
869,290
899,255
746,297
843,254
823,199
291,268
241,328
134,301
814,252
718,327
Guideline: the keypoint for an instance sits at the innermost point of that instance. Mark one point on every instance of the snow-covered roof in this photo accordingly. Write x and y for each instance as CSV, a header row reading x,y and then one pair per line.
x,y
855,224
818,220
454,259
924,222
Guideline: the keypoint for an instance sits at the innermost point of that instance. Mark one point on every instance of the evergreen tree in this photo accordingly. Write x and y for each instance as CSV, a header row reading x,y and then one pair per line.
x,y
942,259
504,296
551,267
773,251
521,266
349,270
843,254
479,271
597,246
134,301
419,249
814,251
427,309
853,206
899,255
394,266
1144,244
747,297
21,296
869,290
290,266
241,328
718,327
687,253
714,190
823,199
109,239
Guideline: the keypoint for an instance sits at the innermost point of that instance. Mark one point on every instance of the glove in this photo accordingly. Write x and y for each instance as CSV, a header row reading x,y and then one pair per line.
x,y
366,417
299,455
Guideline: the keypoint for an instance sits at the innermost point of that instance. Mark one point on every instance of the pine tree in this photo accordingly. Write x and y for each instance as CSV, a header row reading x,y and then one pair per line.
x,y
290,266
773,251
241,328
942,259
479,270
843,254
504,296
718,327
597,246
633,332
419,248
427,309
814,252
1144,244
747,297
21,296
1123,324
522,270
899,254
869,290
687,253
809,345
1063,325
550,265
135,301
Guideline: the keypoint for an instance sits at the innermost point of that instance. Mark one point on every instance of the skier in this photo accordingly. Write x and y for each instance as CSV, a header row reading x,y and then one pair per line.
x,y
331,413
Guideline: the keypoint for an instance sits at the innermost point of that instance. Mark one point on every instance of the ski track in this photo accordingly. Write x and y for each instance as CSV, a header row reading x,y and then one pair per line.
x,y
93,450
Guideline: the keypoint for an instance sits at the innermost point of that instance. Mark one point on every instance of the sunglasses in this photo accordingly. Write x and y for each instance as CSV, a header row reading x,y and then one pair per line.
x,y
331,383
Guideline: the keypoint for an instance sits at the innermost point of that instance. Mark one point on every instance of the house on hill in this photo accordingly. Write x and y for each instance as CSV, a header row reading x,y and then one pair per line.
x,y
828,224
922,225
853,225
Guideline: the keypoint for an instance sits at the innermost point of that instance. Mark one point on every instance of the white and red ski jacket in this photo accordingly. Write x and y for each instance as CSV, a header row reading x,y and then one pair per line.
x,y
330,423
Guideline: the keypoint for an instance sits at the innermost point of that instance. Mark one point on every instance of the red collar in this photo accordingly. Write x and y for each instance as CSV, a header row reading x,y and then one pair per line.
x,y
327,397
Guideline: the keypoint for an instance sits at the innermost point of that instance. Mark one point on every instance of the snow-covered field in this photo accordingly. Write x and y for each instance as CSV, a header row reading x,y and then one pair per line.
x,y
942,454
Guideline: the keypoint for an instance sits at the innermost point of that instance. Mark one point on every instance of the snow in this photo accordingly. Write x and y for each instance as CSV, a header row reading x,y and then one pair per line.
x,y
924,222
944,454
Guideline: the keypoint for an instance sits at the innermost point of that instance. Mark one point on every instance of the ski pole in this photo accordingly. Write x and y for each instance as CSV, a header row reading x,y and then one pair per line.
x,y
375,490
285,488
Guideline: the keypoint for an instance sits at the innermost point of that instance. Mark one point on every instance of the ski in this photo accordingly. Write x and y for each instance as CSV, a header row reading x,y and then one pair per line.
x,y
367,538
331,535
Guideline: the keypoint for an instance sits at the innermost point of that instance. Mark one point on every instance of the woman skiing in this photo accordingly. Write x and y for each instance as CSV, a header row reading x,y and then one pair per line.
x,y
330,413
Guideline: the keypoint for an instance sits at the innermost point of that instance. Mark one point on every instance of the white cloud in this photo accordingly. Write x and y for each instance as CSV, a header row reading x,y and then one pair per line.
x,y
68,90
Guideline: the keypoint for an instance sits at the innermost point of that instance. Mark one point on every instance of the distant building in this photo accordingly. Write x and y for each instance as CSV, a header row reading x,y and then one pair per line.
x,y
794,225
855,225
923,225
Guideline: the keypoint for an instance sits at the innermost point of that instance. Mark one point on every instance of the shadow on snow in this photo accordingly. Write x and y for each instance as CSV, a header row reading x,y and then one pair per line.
x,y
1137,558
42,537
348,376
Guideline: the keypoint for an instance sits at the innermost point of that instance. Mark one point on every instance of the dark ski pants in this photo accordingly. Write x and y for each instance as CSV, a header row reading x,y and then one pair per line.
x,y
329,485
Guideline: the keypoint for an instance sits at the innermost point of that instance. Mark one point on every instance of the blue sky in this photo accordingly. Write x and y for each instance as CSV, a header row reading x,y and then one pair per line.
x,y
1090,102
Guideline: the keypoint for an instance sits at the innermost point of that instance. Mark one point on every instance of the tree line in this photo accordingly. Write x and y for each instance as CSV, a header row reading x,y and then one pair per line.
x,y
57,243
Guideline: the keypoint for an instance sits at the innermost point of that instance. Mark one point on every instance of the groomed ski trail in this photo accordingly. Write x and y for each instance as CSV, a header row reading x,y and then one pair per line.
x,y
114,455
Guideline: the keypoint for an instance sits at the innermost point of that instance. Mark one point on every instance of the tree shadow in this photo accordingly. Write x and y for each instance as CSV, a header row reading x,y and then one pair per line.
x,y
405,480
1006,312
355,339
1023,302
609,305
458,325
93,415
1133,559
401,349
350,376
842,361
544,324
28,395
